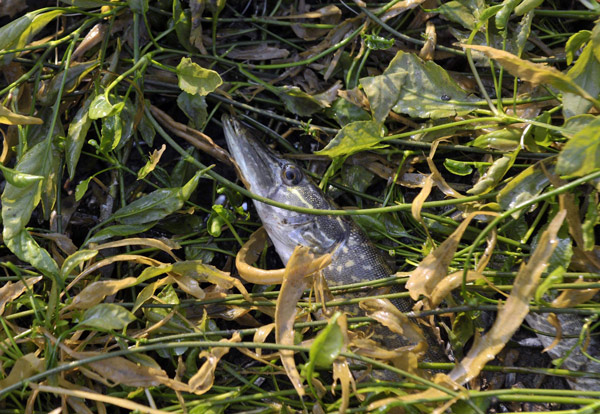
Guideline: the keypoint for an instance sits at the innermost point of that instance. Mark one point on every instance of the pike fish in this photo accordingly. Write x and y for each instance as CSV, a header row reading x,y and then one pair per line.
x,y
354,258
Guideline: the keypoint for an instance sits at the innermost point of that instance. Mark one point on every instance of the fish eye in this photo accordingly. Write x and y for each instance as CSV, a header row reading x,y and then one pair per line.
x,y
291,175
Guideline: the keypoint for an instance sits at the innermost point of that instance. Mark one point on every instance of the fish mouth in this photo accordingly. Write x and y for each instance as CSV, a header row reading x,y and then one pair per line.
x,y
258,164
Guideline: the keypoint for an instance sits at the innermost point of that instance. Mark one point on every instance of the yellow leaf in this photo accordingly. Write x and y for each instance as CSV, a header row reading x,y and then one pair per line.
x,y
10,118
95,292
24,367
10,291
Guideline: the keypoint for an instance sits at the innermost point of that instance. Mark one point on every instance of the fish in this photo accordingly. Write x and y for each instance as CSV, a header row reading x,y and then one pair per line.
x,y
354,257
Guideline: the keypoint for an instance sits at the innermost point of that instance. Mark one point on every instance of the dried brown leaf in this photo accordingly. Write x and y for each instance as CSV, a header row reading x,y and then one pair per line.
x,y
203,380
10,291
301,265
511,315
260,52
24,367
95,292
249,253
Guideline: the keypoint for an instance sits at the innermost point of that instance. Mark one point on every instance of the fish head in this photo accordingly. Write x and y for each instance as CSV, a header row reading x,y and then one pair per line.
x,y
270,175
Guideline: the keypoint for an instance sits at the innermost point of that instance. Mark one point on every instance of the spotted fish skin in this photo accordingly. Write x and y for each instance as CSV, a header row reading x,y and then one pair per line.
x,y
354,258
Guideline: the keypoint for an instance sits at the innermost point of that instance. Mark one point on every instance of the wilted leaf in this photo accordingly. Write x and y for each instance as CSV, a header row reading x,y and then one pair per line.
x,y
95,292
77,71
24,367
106,316
11,291
581,155
299,102
249,254
10,118
532,72
158,204
511,315
202,381
151,163
302,264
194,79
384,312
354,137
434,267
194,107
488,181
424,90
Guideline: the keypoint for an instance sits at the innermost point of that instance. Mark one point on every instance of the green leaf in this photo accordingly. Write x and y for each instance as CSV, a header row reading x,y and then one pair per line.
x,y
158,204
504,13
354,137
591,219
299,102
576,123
112,130
194,79
18,33
138,6
505,139
457,12
581,155
101,107
194,107
27,249
119,230
425,91
77,71
383,93
107,316
76,136
19,179
493,175
526,6
327,345
75,260
586,74
375,42
183,25
457,167
82,188
574,44
595,38
344,112
523,187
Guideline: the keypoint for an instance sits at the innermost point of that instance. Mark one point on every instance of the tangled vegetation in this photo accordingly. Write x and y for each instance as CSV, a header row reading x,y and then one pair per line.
x,y
462,136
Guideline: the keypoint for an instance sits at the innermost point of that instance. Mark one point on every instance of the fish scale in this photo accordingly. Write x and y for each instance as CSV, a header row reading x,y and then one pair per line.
x,y
354,258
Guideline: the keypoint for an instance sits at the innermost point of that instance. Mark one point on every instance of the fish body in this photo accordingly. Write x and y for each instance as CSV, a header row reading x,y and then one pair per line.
x,y
354,258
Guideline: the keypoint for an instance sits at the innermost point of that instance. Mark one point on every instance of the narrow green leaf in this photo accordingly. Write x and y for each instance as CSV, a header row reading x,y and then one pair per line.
x,y
75,260
76,136
457,167
574,44
19,179
493,175
107,316
158,204
138,6
119,230
194,79
327,345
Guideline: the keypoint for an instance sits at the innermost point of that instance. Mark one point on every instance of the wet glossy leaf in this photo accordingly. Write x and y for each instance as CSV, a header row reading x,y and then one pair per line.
x,y
585,73
107,316
354,137
101,107
82,188
581,155
375,42
196,80
526,185
19,179
27,249
76,136
158,204
504,13
457,167
183,25
8,117
47,96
